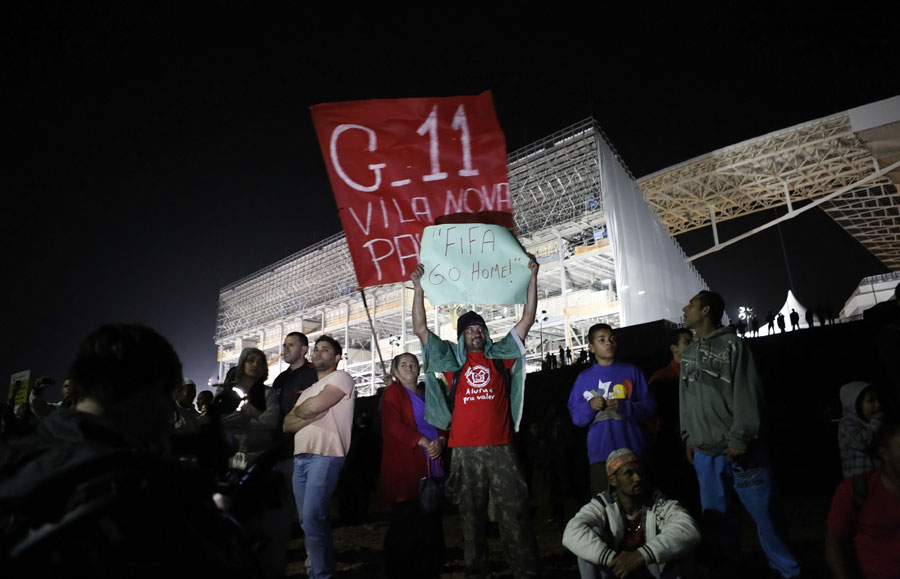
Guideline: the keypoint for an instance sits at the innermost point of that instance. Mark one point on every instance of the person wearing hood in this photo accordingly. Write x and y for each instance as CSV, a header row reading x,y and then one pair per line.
x,y
720,395
862,418
485,401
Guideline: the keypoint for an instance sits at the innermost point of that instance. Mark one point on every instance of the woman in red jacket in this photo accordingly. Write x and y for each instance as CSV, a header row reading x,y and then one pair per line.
x,y
414,544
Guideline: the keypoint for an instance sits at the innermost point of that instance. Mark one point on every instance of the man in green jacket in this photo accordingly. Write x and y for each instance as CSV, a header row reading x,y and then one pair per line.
x,y
487,384
719,400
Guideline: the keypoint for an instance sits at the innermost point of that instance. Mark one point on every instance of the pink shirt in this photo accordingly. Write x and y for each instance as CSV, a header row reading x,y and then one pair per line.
x,y
329,435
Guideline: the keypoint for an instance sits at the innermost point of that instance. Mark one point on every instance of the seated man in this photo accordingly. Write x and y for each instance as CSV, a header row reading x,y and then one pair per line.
x,y
630,530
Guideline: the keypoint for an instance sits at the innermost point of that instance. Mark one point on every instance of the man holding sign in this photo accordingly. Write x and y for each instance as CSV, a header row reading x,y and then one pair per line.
x,y
484,401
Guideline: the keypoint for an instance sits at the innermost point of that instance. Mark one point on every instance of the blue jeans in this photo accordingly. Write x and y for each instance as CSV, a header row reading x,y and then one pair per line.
x,y
315,478
751,480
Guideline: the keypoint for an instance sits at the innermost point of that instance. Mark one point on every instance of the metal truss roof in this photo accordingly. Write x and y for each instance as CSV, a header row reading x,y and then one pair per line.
x,y
796,164
872,216
806,161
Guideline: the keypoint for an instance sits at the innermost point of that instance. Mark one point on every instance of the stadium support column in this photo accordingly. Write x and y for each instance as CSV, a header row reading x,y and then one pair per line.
x,y
347,336
712,218
280,345
403,317
561,252
374,342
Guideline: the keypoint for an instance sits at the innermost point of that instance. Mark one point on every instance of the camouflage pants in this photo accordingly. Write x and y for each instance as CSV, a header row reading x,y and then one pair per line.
x,y
482,475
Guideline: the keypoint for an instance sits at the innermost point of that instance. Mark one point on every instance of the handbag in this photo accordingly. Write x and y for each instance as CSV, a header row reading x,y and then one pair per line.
x,y
431,491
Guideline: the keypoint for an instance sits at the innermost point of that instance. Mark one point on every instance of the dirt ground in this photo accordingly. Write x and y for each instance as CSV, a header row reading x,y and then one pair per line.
x,y
359,549
359,545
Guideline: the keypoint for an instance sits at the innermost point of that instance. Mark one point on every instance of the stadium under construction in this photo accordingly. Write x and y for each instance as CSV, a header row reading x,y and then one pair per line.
x,y
604,240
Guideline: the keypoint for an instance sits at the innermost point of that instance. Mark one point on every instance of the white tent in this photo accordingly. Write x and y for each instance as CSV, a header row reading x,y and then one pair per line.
x,y
790,303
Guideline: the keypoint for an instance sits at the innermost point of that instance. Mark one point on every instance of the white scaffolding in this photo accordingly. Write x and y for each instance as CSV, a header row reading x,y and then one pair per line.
x,y
555,184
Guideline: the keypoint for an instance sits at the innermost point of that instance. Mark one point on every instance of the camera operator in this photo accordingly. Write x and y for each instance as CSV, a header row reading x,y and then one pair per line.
x,y
40,407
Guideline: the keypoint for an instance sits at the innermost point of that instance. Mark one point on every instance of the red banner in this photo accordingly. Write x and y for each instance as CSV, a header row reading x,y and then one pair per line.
x,y
397,165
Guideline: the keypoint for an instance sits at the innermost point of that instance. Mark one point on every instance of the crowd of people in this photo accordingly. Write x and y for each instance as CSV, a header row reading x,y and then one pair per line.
x,y
749,324
133,472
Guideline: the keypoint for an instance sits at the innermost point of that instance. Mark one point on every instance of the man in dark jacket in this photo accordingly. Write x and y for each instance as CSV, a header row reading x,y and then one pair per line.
x,y
288,385
94,492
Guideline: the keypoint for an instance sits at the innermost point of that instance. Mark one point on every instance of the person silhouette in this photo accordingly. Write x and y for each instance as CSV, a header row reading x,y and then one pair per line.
x,y
781,322
795,320
810,318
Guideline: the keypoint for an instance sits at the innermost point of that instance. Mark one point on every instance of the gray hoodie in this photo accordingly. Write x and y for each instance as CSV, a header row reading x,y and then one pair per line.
x,y
719,393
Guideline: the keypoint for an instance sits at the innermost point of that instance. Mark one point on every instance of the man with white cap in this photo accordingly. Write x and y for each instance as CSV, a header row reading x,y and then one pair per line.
x,y
630,530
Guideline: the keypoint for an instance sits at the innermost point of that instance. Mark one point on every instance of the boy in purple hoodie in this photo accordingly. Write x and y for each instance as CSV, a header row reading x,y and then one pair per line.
x,y
613,399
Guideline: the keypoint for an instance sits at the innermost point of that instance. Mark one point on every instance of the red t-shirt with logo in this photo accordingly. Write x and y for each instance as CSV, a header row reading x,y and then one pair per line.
x,y
481,409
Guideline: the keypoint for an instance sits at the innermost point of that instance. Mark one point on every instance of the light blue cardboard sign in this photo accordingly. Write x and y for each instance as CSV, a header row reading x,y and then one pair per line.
x,y
473,263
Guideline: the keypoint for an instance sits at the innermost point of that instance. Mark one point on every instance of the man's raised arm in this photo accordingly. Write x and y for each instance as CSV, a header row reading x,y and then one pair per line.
x,y
530,309
420,327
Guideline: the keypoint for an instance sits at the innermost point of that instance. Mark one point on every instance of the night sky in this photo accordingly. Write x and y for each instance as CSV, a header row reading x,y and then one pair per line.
x,y
161,153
